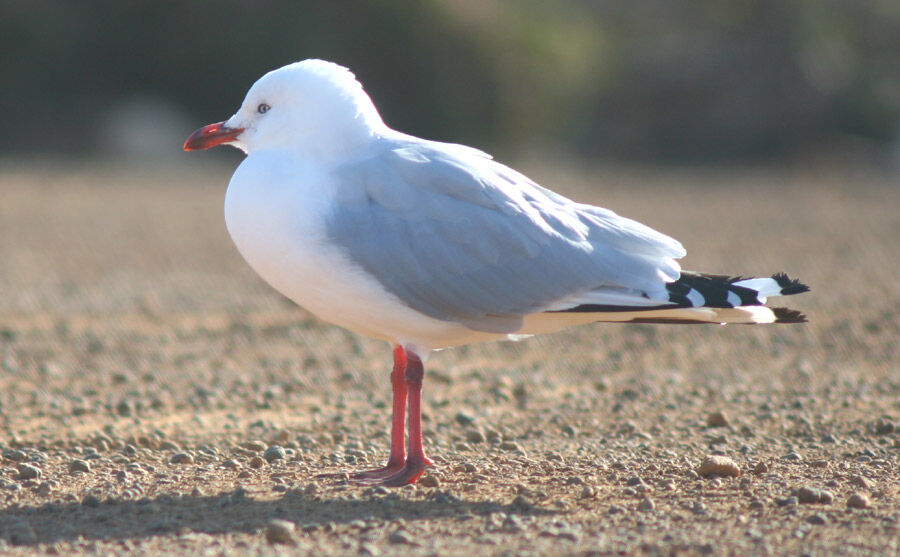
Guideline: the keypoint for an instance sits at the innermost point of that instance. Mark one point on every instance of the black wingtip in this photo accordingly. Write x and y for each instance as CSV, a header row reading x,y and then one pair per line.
x,y
787,315
788,285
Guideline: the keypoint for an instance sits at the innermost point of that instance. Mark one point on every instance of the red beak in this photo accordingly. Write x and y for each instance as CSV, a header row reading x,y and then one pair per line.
x,y
210,136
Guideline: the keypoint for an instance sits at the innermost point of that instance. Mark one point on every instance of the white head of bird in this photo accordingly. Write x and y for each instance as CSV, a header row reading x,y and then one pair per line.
x,y
311,108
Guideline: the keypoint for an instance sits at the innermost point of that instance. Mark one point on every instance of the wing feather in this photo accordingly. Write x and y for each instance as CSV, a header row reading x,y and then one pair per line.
x,y
460,237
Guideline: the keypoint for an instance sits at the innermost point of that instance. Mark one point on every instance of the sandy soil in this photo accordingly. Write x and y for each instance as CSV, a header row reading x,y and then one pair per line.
x,y
147,375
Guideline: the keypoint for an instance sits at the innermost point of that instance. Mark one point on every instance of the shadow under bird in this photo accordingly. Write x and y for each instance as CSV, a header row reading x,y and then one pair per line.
x,y
428,245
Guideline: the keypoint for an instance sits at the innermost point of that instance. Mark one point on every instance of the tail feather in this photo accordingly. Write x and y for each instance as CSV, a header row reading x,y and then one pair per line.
x,y
789,286
706,298
788,315
722,291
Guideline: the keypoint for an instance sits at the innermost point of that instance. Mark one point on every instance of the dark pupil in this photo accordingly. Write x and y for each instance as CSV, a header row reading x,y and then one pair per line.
x,y
263,108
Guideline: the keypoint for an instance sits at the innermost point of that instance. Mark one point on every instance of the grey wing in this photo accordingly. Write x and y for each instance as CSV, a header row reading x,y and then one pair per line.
x,y
462,238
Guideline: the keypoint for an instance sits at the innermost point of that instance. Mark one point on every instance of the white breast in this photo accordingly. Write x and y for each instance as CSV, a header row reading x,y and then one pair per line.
x,y
275,211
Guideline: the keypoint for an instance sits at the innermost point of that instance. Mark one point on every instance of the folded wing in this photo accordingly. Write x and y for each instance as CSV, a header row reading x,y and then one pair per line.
x,y
460,237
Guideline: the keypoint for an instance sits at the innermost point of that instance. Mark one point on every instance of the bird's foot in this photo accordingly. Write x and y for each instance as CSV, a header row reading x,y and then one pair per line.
x,y
382,476
405,475
392,468
377,474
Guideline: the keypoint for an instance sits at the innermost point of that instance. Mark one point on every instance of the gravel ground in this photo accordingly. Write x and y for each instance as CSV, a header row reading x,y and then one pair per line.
x,y
155,396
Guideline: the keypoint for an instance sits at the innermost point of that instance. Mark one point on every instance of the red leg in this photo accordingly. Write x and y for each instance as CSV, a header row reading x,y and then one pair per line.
x,y
416,461
397,458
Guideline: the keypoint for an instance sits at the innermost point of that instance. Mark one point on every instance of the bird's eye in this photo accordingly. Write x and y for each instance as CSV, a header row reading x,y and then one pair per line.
x,y
263,108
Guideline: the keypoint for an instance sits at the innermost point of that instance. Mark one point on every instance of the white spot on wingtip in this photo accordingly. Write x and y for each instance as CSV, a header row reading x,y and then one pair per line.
x,y
696,298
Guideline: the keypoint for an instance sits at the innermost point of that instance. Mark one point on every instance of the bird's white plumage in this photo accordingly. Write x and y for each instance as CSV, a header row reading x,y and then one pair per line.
x,y
422,243
275,209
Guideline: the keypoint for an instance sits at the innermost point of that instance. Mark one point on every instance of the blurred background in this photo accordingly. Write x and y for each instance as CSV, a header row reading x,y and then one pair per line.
x,y
648,81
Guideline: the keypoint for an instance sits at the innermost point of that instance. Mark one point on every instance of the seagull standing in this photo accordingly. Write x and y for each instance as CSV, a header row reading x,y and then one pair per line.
x,y
429,245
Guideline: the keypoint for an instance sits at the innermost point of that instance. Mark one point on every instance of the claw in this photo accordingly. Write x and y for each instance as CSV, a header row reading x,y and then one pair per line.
x,y
378,473
408,474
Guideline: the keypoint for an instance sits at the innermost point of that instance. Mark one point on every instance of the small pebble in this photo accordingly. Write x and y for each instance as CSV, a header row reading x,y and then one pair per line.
x,y
464,419
429,481
646,504
125,408
717,419
807,494
719,440
255,445
510,446
181,458
79,465
14,455
717,465
366,548
231,463
475,436
817,518
282,437
760,468
861,481
29,472
884,426
280,531
274,453
401,537
169,446
257,462
859,501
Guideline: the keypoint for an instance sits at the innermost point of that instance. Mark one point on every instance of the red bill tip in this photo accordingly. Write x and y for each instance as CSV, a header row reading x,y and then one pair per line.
x,y
210,136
